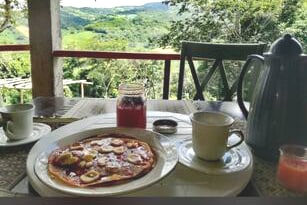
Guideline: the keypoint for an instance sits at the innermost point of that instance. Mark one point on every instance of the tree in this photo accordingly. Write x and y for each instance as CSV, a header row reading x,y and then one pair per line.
x,y
230,20
288,11
234,21
8,12
298,26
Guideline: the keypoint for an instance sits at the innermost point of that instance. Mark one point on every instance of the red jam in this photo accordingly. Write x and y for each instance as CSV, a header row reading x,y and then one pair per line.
x,y
131,107
292,173
292,168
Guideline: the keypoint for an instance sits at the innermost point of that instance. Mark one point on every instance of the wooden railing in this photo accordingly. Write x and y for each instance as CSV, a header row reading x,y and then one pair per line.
x,y
166,57
21,47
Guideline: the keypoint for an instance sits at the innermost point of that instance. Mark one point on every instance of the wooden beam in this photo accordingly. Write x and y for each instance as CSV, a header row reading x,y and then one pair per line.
x,y
45,36
116,55
166,79
82,90
21,47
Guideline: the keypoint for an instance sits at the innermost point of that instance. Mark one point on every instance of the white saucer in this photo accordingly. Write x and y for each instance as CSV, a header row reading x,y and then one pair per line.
x,y
39,130
234,160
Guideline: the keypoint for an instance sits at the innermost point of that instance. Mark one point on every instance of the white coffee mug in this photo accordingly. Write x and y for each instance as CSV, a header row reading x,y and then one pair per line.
x,y
17,120
210,133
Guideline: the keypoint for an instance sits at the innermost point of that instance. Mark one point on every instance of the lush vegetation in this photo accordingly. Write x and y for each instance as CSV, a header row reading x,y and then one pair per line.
x,y
152,28
118,29
236,22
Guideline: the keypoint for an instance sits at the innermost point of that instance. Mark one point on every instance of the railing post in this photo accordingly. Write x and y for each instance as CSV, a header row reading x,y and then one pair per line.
x,y
82,89
181,73
166,79
21,96
45,36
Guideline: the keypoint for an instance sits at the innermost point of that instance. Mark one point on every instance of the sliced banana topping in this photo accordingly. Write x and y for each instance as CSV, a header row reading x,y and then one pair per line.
x,y
89,164
105,149
134,158
76,147
119,150
88,157
115,177
117,142
82,164
66,158
89,176
99,142
101,162
96,142
132,145
93,152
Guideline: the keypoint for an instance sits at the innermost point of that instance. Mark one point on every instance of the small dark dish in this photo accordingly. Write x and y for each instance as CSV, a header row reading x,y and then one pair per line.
x,y
165,126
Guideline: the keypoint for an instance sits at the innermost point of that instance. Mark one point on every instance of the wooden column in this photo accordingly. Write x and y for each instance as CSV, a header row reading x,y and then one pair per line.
x,y
45,36
82,90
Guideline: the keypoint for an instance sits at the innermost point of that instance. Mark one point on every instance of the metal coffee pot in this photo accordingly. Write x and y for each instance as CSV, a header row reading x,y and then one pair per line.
x,y
278,109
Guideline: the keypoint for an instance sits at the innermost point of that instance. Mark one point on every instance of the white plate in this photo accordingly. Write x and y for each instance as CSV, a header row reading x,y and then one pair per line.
x,y
234,160
167,158
39,130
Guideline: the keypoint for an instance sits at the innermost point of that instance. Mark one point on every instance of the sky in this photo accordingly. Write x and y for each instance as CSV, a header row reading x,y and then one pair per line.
x,y
105,3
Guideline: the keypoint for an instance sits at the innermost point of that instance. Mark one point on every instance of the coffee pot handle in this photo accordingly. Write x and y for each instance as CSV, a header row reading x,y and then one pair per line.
x,y
245,68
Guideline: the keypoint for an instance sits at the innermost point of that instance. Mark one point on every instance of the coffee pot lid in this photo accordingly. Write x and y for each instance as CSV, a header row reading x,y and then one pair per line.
x,y
286,46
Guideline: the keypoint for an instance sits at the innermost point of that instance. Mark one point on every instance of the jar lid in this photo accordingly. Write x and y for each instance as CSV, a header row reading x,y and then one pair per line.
x,y
294,151
131,88
165,126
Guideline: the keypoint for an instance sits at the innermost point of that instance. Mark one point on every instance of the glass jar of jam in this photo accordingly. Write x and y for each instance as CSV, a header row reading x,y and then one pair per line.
x,y
292,167
131,106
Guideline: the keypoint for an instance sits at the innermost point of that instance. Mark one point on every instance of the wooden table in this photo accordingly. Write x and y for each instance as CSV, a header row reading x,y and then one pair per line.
x,y
59,106
60,111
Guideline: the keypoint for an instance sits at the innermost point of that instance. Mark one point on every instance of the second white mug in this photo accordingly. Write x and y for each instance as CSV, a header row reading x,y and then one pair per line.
x,y
17,120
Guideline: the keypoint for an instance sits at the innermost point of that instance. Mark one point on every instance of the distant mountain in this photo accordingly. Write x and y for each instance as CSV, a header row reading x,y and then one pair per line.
x,y
69,19
156,6
79,17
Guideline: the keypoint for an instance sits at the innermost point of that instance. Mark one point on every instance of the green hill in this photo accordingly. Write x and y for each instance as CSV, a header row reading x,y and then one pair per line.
x,y
134,26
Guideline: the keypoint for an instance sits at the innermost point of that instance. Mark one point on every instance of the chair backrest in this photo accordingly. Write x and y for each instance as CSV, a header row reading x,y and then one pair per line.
x,y
212,51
